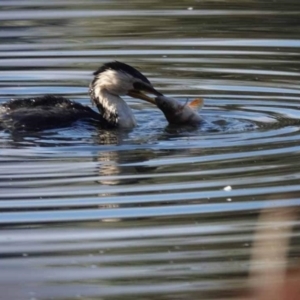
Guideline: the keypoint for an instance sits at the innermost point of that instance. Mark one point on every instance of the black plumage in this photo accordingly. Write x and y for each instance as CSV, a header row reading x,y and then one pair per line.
x,y
119,66
48,111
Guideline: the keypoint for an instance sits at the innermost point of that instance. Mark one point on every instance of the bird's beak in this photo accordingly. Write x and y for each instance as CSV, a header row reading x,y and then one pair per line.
x,y
140,95
141,87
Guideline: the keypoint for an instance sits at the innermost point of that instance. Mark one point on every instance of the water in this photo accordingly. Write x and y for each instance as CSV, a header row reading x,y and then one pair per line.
x,y
90,214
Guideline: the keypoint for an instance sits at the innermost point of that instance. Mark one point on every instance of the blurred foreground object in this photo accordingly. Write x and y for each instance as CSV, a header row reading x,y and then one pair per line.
x,y
270,277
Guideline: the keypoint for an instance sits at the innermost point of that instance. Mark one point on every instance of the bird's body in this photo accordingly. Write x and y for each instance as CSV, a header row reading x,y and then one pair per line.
x,y
46,112
111,81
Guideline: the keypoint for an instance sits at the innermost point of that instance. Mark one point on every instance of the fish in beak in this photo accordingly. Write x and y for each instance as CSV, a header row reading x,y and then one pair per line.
x,y
139,89
180,114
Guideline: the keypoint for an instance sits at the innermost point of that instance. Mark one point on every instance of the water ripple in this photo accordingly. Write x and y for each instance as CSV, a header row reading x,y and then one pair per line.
x,y
158,212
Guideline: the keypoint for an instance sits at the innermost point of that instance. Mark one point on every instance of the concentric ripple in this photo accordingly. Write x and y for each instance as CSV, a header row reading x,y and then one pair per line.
x,y
159,212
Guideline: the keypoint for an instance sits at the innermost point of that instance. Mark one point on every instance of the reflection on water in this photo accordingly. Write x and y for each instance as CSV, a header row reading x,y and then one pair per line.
x,y
88,213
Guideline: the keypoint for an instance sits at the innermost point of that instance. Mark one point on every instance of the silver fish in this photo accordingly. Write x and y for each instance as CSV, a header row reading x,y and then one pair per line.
x,y
178,113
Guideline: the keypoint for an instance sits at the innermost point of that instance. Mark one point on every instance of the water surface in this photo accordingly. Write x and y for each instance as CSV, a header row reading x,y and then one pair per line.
x,y
156,212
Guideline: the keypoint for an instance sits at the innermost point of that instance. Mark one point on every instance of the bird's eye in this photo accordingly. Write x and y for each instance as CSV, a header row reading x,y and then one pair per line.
x,y
138,86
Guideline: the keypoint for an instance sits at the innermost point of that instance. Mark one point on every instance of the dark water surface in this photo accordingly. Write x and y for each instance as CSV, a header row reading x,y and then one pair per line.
x,y
148,214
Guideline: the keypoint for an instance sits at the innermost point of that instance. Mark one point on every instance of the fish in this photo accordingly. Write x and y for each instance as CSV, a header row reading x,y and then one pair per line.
x,y
177,113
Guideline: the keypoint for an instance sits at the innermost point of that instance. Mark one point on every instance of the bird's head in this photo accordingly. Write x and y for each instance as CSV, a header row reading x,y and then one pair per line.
x,y
115,79
119,79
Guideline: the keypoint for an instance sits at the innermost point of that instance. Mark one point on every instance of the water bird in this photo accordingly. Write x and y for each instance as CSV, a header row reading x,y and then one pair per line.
x,y
111,81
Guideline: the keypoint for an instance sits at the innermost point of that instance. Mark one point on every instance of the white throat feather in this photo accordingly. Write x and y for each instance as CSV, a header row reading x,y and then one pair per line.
x,y
105,91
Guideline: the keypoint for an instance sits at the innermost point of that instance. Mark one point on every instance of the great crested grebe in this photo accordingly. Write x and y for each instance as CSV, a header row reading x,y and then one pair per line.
x,y
112,80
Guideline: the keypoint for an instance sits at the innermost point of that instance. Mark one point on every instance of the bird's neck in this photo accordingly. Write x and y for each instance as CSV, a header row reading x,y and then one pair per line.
x,y
114,109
